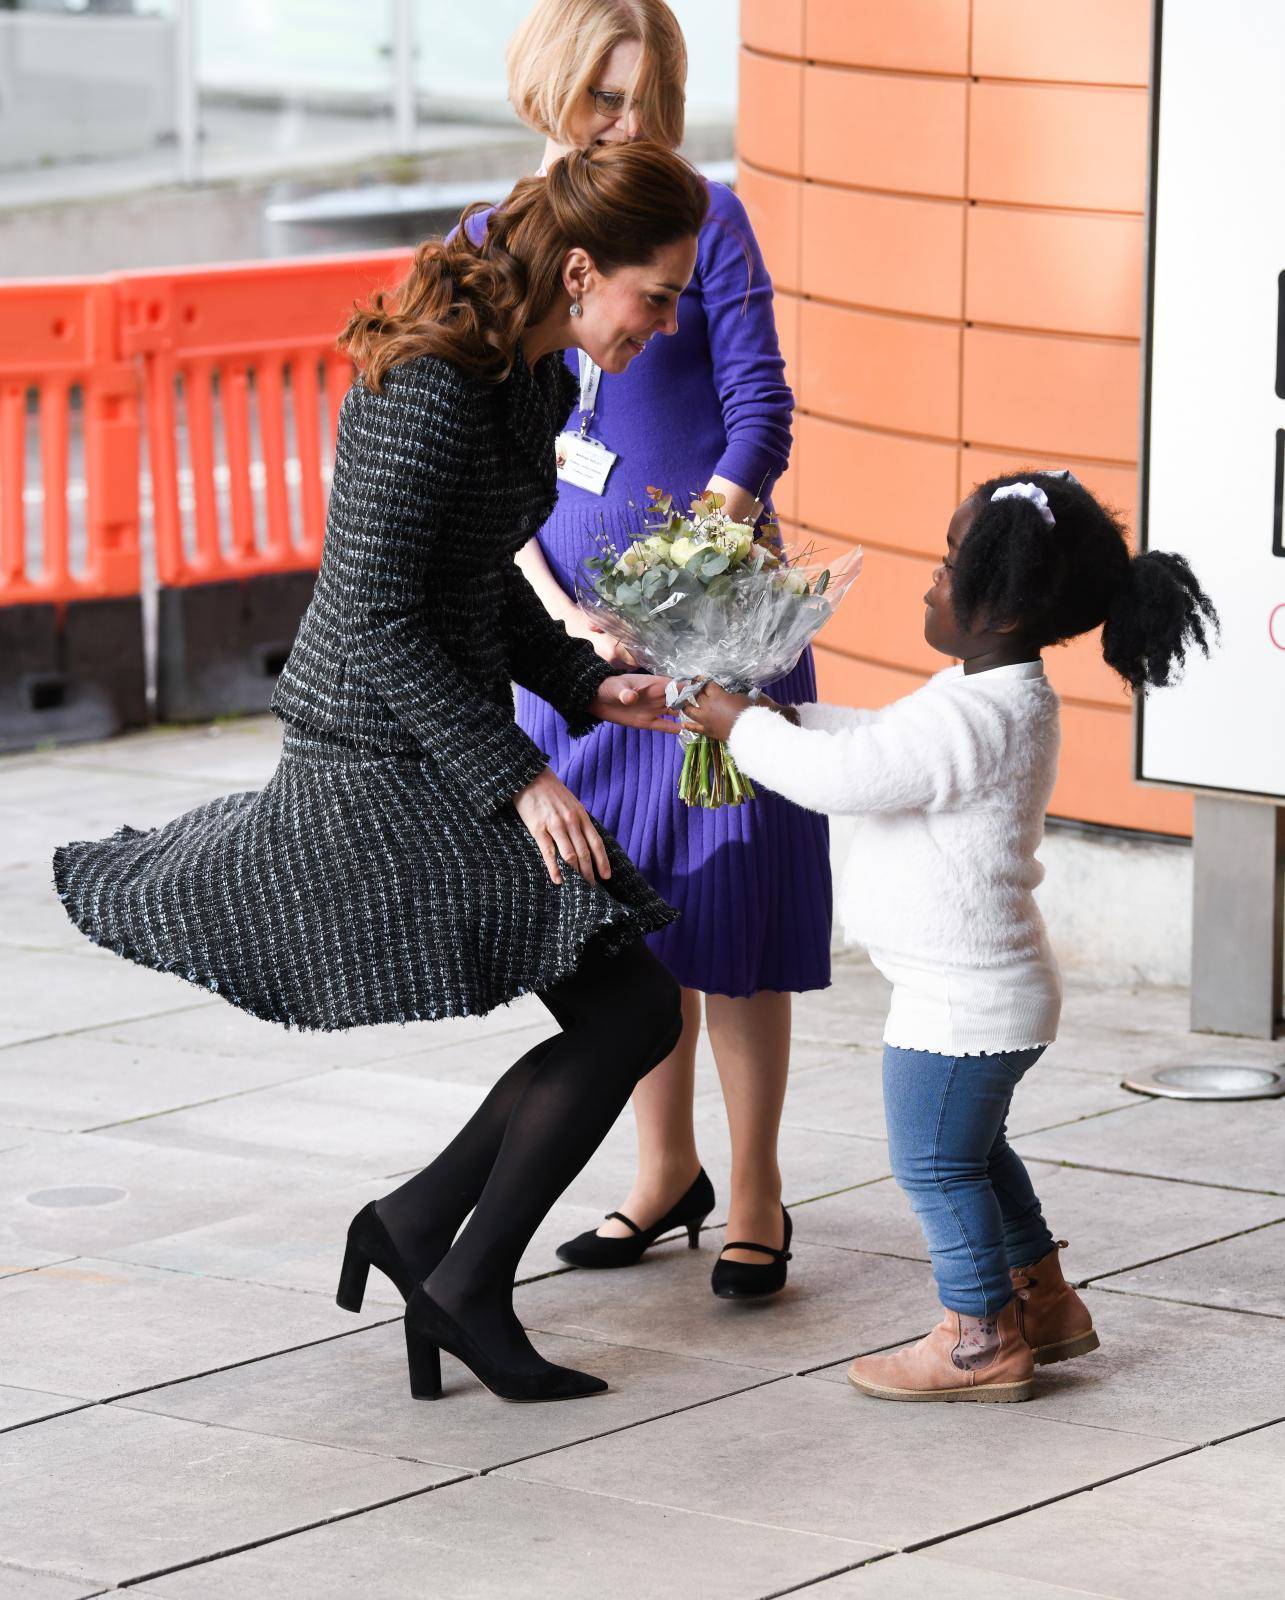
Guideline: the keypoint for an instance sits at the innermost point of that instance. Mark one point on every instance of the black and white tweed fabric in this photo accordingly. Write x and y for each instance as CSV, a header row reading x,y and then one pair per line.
x,y
383,874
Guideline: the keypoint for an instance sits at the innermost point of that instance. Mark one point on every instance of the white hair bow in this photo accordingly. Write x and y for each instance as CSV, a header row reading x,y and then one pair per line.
x,y
1027,491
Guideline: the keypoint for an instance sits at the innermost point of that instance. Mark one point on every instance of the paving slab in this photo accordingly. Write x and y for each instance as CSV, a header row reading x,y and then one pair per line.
x,y
245,753
48,992
1246,1273
837,1303
367,1123
96,1328
907,1577
217,1028
82,1081
151,1491
805,1455
352,1393
16,1259
298,1244
1172,1372
1240,1144
487,1538
1206,1524
19,1585
1112,1221
845,1095
31,913
90,1193
18,1407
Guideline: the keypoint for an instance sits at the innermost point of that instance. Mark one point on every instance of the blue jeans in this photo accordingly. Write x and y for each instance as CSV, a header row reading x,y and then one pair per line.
x,y
969,1189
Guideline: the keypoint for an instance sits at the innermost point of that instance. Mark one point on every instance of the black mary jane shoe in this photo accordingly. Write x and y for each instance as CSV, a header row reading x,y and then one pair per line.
x,y
593,1250
742,1280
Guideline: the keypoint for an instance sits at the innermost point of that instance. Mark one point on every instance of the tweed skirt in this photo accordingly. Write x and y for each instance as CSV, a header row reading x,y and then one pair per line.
x,y
347,893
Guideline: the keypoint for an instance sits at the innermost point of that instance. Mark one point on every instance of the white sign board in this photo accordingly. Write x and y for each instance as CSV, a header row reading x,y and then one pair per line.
x,y
1214,429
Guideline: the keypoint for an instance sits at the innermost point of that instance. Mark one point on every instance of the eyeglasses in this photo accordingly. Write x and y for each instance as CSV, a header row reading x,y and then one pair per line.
x,y
609,102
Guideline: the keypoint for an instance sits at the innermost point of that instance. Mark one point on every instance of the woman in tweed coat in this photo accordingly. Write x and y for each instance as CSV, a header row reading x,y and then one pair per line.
x,y
413,857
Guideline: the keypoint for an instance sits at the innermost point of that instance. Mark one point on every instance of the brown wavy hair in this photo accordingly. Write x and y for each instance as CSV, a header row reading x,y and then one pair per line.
x,y
470,302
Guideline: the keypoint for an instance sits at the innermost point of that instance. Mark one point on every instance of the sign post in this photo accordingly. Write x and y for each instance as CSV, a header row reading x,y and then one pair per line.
x,y
1213,478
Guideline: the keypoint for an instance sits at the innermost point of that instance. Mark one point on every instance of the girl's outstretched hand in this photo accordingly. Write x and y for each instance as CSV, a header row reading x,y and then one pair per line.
x,y
714,711
635,700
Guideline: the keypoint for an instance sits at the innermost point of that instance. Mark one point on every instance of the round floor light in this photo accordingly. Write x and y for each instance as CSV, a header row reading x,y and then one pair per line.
x,y
1220,1080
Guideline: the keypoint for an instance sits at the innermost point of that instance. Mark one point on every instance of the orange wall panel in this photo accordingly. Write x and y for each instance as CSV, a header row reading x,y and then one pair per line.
x,y
890,372
874,486
1061,270
1071,41
1050,145
883,250
884,130
1078,672
775,25
1042,392
769,130
911,35
1116,487
882,618
1094,783
774,206
845,682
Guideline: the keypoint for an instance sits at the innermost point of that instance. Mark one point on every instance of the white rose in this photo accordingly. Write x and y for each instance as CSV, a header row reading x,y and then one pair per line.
x,y
682,550
633,560
795,583
659,548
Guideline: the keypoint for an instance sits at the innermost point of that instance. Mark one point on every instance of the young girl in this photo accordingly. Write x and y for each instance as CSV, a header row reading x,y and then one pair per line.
x,y
950,785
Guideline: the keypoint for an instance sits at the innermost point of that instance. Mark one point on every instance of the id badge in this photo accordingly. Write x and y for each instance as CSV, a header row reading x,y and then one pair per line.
x,y
584,462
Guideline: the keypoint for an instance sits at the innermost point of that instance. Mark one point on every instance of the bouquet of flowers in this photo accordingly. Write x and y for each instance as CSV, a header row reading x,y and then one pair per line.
x,y
697,596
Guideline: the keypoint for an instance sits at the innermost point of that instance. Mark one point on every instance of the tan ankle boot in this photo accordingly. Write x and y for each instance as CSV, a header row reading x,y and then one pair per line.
x,y
1053,1319
942,1366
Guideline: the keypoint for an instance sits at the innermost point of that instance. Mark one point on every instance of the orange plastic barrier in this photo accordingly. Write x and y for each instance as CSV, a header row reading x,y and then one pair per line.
x,y
242,386
57,339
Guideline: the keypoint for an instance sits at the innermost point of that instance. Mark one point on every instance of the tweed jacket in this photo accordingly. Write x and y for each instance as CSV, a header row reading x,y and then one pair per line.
x,y
421,621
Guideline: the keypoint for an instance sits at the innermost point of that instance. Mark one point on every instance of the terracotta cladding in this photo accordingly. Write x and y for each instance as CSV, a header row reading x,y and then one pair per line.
x,y
950,199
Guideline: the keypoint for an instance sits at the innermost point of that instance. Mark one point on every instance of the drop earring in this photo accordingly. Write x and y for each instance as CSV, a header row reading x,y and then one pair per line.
x,y
576,309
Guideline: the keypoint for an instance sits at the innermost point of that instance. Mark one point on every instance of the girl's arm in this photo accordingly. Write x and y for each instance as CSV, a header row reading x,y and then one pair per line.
x,y
924,753
745,355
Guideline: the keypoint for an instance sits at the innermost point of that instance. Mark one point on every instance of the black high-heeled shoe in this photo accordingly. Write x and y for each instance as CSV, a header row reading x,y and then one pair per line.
x,y
370,1245
744,1280
430,1330
593,1250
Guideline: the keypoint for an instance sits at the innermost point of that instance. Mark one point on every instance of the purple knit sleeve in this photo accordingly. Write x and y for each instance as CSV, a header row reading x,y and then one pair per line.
x,y
749,374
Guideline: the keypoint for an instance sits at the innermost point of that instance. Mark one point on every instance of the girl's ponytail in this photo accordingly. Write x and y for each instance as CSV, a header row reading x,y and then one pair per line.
x,y
1158,612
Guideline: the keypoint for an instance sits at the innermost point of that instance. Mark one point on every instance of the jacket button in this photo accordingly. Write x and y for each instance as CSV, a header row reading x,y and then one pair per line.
x,y
524,521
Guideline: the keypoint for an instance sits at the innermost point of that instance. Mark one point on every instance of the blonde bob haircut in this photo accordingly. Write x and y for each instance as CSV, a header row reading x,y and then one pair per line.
x,y
556,55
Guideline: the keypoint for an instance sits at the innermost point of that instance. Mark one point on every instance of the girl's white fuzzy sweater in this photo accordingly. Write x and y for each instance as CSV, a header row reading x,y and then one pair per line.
x,y
949,787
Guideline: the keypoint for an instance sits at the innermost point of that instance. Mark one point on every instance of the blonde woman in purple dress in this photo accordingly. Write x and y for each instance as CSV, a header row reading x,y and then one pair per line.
x,y
707,408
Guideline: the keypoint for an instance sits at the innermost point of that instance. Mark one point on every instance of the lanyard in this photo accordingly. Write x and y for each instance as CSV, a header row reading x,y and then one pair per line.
x,y
590,378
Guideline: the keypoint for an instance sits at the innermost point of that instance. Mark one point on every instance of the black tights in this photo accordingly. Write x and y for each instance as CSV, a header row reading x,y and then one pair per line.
x,y
619,1017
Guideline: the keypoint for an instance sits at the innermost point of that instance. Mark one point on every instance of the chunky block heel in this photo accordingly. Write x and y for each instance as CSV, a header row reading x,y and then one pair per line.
x,y
430,1330
369,1245
352,1279
424,1361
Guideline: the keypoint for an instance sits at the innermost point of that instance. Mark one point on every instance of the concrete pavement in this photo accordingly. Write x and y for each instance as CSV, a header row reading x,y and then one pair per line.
x,y
185,1412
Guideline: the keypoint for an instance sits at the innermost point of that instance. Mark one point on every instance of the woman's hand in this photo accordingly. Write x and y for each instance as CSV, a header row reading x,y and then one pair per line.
x,y
714,711
611,650
635,700
561,826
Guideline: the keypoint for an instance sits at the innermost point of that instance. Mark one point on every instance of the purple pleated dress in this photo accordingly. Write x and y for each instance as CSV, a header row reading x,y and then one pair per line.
x,y
753,881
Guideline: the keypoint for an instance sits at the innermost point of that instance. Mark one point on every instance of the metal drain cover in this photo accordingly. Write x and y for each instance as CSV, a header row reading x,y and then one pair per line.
x,y
1213,1081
